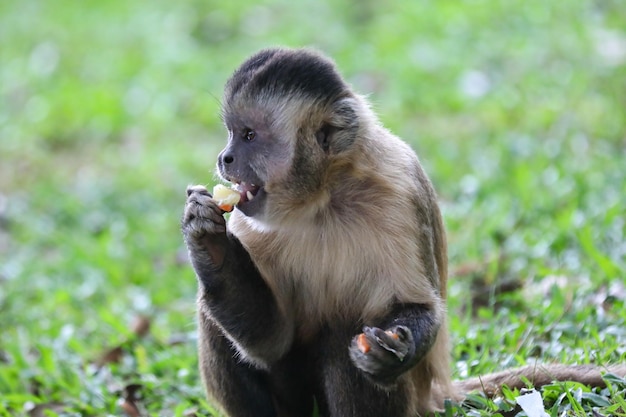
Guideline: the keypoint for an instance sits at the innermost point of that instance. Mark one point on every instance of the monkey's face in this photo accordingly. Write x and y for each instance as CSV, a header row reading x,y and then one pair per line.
x,y
288,115
271,157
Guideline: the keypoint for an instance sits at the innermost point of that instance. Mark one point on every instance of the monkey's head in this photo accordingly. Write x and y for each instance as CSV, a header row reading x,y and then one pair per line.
x,y
290,117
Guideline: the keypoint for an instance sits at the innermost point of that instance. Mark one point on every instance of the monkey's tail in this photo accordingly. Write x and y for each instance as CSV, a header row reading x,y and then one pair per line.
x,y
538,375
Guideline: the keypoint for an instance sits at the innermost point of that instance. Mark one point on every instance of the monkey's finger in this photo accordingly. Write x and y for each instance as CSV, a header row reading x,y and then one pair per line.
x,y
203,207
368,355
200,189
202,199
195,225
393,341
211,213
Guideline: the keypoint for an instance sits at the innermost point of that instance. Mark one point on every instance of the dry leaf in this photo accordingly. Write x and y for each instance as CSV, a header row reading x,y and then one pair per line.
x,y
113,355
130,408
131,397
141,326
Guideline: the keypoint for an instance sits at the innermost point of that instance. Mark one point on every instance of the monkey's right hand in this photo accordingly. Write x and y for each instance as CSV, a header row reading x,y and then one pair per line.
x,y
204,228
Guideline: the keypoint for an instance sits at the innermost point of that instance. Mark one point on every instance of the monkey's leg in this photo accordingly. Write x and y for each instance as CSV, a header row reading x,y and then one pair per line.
x,y
345,391
403,338
240,389
233,293
292,385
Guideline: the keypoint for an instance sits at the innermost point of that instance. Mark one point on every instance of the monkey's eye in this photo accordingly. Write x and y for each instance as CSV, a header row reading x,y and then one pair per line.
x,y
249,135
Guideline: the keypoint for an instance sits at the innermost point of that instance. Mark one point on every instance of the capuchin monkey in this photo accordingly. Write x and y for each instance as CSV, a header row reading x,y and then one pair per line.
x,y
326,289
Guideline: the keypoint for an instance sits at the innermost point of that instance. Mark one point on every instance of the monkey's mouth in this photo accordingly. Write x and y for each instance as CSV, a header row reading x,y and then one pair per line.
x,y
252,197
247,191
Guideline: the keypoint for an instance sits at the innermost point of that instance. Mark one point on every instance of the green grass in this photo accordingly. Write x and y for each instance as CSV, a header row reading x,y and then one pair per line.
x,y
109,109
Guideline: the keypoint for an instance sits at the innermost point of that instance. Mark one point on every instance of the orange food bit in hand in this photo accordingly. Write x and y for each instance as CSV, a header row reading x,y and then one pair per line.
x,y
362,344
226,207
393,335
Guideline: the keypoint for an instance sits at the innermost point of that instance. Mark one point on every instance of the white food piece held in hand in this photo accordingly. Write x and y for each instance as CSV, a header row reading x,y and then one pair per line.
x,y
226,198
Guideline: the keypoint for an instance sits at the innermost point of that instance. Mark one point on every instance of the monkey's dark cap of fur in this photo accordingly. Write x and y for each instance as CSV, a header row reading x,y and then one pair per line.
x,y
280,71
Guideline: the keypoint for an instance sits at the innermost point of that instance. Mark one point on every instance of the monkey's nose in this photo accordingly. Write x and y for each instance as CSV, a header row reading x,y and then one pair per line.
x,y
226,158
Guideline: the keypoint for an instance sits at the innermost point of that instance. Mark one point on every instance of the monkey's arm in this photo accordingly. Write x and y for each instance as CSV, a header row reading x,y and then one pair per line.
x,y
409,331
234,295
403,338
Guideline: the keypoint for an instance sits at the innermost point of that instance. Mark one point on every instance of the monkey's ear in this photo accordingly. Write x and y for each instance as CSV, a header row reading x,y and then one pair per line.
x,y
340,130
323,136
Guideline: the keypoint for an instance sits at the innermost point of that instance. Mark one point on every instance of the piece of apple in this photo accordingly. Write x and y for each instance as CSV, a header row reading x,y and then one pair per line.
x,y
226,198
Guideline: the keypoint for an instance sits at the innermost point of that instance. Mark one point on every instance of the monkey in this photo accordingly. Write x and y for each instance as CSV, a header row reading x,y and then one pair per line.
x,y
326,287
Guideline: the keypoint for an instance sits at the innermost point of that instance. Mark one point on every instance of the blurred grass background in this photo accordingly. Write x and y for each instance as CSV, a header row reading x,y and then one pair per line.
x,y
109,109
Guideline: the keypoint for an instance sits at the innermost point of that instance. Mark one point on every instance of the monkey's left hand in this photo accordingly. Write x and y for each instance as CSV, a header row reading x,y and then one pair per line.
x,y
383,354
